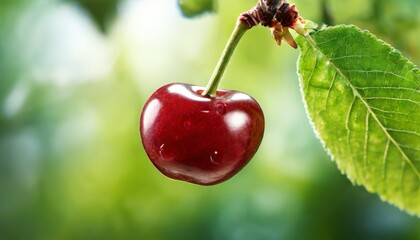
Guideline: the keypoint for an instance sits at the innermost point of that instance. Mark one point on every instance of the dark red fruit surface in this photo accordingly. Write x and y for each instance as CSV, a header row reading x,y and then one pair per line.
x,y
202,140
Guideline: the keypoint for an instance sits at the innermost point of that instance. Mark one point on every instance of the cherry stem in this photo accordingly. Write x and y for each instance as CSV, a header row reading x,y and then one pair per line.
x,y
227,53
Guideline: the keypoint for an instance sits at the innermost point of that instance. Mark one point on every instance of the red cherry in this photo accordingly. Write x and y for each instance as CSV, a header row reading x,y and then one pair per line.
x,y
202,140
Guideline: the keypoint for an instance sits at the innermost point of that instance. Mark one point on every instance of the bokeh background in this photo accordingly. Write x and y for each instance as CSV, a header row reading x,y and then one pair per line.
x,y
74,75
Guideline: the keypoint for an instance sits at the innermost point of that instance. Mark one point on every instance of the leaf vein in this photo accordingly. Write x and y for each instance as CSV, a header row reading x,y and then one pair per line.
x,y
376,71
355,56
392,99
329,89
348,132
388,88
312,73
403,131
410,147
384,161
402,180
393,119
365,147
386,111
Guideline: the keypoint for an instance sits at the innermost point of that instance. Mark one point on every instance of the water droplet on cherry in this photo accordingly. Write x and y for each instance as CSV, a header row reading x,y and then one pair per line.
x,y
221,108
164,153
214,157
187,124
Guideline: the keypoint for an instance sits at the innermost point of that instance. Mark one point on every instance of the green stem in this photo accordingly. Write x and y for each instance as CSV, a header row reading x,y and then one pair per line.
x,y
216,77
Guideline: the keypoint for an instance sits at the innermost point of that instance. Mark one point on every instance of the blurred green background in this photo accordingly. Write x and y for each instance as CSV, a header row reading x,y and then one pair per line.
x,y
74,75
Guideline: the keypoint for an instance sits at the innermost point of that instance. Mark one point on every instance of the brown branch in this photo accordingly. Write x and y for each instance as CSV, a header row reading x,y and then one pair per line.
x,y
278,15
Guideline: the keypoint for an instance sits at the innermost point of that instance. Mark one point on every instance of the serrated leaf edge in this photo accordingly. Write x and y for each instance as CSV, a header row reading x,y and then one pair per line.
x,y
357,94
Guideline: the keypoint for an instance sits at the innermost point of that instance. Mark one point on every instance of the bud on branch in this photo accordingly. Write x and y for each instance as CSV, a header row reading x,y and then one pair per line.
x,y
278,15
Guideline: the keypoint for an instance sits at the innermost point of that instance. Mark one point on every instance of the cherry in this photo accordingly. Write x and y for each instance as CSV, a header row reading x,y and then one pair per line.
x,y
200,139
207,135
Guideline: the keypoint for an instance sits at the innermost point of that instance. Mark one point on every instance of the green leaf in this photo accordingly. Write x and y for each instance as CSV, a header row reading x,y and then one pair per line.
x,y
192,8
363,98
101,11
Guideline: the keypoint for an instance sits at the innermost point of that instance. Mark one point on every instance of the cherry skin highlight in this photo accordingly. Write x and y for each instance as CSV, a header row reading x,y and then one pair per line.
x,y
202,140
